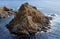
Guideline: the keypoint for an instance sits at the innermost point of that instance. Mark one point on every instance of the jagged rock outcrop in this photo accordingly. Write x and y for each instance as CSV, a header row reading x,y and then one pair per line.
x,y
6,12
28,21
5,8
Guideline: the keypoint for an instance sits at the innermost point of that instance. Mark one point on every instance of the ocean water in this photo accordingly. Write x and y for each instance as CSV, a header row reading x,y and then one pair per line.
x,y
45,6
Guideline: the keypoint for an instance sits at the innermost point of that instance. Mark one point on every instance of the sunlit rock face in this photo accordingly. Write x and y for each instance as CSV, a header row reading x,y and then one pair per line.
x,y
28,21
6,12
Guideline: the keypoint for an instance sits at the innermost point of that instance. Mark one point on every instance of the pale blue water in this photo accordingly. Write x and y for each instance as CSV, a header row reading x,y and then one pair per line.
x,y
45,6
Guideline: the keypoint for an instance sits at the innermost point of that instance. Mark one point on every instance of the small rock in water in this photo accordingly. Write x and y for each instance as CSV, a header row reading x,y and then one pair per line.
x,y
6,12
53,14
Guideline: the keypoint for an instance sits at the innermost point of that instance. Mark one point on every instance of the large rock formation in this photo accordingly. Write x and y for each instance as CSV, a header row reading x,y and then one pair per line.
x,y
28,21
6,12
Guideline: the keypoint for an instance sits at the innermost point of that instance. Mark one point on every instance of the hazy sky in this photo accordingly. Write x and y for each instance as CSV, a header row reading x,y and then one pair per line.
x,y
51,4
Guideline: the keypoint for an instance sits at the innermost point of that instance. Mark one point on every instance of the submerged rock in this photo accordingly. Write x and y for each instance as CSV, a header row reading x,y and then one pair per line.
x,y
6,12
28,21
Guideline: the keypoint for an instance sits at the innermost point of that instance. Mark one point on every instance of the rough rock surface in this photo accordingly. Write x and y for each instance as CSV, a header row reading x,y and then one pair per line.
x,y
5,8
28,21
6,12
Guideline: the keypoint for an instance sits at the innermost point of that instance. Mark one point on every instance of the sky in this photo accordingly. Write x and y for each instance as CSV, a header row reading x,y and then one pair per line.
x,y
53,5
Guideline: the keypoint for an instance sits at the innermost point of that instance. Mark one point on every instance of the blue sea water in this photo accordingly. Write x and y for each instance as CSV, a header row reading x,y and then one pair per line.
x,y
45,6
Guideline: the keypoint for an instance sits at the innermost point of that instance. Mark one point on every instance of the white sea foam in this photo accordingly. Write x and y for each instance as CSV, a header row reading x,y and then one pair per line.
x,y
56,19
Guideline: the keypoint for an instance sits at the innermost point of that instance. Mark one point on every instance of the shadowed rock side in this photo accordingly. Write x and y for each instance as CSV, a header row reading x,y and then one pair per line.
x,y
6,12
28,21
